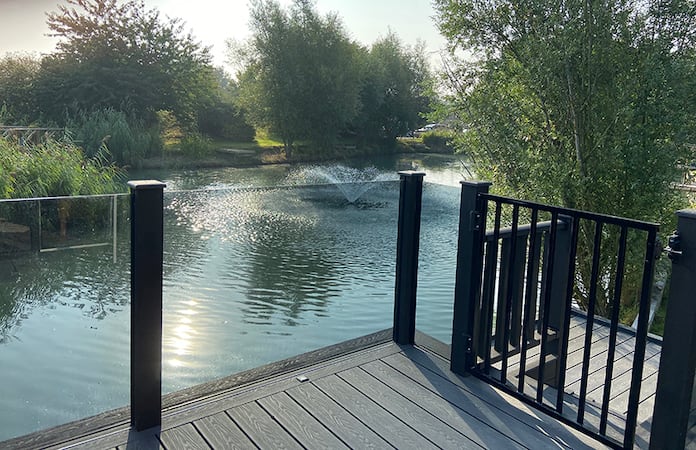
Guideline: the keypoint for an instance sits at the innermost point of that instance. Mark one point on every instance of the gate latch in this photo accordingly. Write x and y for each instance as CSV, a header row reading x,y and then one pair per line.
x,y
673,248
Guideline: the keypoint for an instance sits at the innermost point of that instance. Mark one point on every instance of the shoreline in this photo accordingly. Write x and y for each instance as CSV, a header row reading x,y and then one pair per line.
x,y
239,158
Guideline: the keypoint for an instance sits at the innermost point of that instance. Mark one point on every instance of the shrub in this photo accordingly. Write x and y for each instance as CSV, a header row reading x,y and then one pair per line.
x,y
440,141
54,169
126,140
195,144
223,120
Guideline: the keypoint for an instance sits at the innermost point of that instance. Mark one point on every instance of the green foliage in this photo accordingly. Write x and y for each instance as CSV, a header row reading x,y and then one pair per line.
x,y
195,144
124,139
441,141
304,79
300,77
17,76
225,121
123,56
393,94
222,118
54,169
589,105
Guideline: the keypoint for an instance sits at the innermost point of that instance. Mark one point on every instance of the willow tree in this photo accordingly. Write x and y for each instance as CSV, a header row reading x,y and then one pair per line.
x,y
589,104
394,92
300,75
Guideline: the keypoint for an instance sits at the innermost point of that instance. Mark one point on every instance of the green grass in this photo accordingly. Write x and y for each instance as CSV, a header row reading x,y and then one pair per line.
x,y
262,141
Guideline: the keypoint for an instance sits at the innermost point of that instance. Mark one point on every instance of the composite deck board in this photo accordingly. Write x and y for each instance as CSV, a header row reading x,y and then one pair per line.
x,y
254,391
121,438
450,405
383,396
183,437
620,383
492,421
261,428
416,364
137,442
421,417
221,432
298,422
338,420
623,364
576,342
367,411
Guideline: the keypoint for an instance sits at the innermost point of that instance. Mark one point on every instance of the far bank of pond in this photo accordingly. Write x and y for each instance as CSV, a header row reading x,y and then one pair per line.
x,y
439,168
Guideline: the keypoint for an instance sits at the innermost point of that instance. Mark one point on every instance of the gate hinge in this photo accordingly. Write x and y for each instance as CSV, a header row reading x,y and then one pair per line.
x,y
475,220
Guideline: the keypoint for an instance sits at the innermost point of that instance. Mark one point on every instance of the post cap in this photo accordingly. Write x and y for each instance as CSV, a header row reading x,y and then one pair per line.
x,y
687,213
475,183
146,184
411,173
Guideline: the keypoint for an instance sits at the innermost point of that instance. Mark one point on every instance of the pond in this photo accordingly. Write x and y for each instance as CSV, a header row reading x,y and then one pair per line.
x,y
258,266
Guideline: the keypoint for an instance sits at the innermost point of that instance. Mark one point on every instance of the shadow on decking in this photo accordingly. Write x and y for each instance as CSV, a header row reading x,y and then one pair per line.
x,y
368,392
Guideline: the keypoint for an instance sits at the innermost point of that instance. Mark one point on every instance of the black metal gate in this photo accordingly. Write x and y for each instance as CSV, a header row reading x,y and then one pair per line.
x,y
538,301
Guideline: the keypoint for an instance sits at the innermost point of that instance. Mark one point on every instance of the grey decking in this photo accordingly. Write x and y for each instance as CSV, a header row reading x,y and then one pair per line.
x,y
621,377
383,396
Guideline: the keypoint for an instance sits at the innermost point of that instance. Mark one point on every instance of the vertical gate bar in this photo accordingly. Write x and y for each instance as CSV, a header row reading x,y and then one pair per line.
x,y
518,274
589,325
613,332
478,312
467,290
543,284
489,326
548,269
147,223
488,291
509,293
407,246
565,326
641,338
529,297
503,275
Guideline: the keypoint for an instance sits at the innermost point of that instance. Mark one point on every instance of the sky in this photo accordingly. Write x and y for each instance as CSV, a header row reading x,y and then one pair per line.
x,y
23,22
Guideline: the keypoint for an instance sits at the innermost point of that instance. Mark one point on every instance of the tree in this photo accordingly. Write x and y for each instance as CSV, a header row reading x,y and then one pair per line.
x,y
18,74
393,94
122,56
222,118
589,104
300,76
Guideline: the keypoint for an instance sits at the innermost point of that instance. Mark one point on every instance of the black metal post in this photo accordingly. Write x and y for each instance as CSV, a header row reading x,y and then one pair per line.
x,y
559,279
146,303
407,242
555,309
472,230
675,400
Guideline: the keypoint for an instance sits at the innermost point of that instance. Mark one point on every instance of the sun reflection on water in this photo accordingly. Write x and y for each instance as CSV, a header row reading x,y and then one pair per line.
x,y
179,342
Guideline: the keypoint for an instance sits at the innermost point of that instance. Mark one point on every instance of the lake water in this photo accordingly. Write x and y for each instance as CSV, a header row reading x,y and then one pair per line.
x,y
257,267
